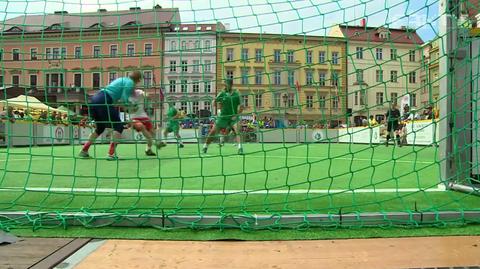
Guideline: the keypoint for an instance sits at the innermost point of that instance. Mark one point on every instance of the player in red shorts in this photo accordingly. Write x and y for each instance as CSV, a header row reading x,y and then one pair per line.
x,y
141,121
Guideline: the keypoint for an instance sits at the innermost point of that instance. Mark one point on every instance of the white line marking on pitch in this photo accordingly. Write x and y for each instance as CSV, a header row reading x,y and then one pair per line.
x,y
439,188
38,158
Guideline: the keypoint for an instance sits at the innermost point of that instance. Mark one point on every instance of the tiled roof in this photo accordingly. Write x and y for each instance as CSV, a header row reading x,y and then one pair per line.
x,y
372,34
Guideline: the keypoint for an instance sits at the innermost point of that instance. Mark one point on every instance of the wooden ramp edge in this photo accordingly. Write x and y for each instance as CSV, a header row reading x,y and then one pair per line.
x,y
418,252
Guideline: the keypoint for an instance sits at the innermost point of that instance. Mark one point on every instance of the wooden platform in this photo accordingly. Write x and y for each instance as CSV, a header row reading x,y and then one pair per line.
x,y
420,252
38,253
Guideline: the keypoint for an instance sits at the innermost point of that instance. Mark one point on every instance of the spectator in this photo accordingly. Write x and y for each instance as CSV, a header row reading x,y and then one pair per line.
x,y
372,122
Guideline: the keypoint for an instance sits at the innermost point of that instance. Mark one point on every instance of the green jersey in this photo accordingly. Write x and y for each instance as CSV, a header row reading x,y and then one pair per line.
x,y
171,113
230,103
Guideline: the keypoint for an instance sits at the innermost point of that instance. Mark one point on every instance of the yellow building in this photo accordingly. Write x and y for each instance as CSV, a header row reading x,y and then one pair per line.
x,y
289,78
430,76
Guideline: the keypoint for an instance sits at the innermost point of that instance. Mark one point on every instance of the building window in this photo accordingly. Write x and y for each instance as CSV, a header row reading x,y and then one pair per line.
x,y
276,56
291,100
33,81
130,50
291,78
334,57
363,96
172,86
33,54
411,55
48,53
393,54
184,106
245,100
359,53
379,54
335,102
196,86
379,98
15,80
335,79
258,100
207,86
258,77
96,81
412,77
173,66
77,80
56,53
394,76
207,46
96,52
393,97
321,57
379,75
184,46
290,57
197,45
360,76
196,66
147,78
276,99
207,105
173,45
208,66
309,57
63,54
309,101
277,78
1,54
309,78
244,55
78,52
322,79
112,76
184,66
183,86
258,55
16,54
244,76
413,99
355,99
195,107
322,101
229,55
113,50
230,74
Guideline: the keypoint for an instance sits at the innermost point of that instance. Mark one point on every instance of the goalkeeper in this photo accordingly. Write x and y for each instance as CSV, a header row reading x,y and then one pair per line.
x,y
105,113
173,125
228,101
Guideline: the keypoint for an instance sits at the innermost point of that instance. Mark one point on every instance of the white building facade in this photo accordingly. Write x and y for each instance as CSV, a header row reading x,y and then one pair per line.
x,y
190,67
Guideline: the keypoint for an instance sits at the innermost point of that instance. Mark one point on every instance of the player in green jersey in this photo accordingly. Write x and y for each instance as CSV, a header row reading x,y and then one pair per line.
x,y
228,101
173,125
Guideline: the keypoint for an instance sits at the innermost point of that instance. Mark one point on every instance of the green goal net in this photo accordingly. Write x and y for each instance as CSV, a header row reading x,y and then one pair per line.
x,y
339,113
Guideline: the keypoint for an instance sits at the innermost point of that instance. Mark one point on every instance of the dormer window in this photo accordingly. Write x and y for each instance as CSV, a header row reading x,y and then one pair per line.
x,y
131,23
55,26
96,26
14,29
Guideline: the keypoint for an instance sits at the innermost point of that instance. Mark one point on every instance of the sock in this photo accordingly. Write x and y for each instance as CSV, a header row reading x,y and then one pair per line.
x,y
180,141
111,150
388,137
239,146
86,146
205,146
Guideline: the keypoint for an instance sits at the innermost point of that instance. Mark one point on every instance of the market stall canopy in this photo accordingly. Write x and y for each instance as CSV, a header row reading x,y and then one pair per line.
x,y
66,110
28,102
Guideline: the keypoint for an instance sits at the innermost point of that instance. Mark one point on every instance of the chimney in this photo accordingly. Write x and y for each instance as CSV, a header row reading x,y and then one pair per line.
x,y
60,12
363,22
101,10
157,6
134,8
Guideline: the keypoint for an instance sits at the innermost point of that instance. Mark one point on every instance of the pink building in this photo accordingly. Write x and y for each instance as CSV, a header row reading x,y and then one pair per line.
x,y
64,57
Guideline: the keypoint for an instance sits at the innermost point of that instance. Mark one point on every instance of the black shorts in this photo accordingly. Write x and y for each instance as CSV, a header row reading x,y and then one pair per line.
x,y
104,113
392,126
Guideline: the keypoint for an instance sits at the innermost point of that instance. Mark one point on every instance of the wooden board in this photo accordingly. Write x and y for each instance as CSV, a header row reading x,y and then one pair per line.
x,y
38,252
420,252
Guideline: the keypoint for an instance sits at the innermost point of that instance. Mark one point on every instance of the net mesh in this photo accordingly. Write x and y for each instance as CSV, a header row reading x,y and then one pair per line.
x,y
317,83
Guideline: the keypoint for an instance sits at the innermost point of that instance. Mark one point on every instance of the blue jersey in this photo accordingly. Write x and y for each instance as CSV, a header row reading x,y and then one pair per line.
x,y
121,88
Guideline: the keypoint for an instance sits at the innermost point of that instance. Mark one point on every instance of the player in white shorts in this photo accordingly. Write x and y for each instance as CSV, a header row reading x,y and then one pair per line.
x,y
140,120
